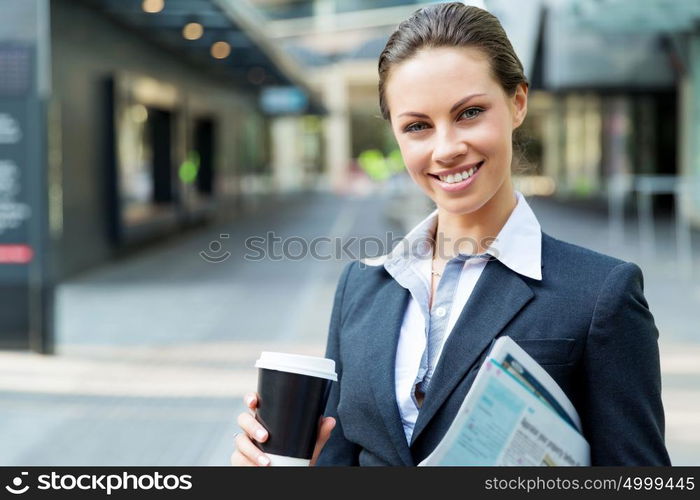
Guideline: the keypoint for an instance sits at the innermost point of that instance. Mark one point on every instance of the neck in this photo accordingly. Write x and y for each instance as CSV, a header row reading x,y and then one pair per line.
x,y
476,230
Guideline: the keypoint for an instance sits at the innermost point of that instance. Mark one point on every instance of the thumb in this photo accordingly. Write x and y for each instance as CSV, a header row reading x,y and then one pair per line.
x,y
325,428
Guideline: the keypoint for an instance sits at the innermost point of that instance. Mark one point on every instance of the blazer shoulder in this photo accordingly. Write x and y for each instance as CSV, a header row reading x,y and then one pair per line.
x,y
583,273
555,251
358,277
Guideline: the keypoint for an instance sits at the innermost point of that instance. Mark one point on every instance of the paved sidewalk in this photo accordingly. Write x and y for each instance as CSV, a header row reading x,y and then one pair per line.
x,y
155,351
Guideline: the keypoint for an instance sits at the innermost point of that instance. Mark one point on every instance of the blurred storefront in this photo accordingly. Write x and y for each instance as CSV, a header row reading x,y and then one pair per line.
x,y
144,118
615,86
159,108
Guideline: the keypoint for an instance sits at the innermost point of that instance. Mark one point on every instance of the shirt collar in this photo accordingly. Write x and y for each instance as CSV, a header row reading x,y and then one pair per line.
x,y
518,245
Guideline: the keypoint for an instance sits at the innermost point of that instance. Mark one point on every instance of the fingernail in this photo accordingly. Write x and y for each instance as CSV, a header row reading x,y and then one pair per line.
x,y
260,434
263,460
249,400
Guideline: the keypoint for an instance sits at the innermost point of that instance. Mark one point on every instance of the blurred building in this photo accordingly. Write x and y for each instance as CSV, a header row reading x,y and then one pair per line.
x,y
615,84
123,121
162,113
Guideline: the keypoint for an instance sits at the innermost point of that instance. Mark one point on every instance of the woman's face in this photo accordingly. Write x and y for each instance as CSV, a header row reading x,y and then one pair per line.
x,y
454,123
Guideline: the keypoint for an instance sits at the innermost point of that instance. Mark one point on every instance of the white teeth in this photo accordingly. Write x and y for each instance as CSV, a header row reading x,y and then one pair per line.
x,y
452,178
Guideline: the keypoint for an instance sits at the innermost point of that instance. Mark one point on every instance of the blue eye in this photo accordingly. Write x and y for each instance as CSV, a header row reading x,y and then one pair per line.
x,y
471,113
415,127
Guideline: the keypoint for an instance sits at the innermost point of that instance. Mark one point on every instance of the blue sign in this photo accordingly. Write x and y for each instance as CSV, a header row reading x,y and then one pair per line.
x,y
283,100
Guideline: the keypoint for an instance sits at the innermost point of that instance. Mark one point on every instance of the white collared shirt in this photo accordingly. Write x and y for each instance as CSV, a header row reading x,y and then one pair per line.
x,y
518,246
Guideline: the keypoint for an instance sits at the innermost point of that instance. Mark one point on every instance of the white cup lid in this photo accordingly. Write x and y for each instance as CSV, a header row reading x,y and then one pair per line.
x,y
296,363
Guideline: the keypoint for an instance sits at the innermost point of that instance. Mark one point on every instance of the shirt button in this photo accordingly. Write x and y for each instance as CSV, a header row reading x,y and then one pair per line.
x,y
440,312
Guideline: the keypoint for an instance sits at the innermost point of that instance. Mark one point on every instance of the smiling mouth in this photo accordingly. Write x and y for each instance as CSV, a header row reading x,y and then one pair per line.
x,y
459,176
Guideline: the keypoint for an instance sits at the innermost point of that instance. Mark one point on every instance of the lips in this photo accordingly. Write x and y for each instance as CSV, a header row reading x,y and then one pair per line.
x,y
457,185
442,176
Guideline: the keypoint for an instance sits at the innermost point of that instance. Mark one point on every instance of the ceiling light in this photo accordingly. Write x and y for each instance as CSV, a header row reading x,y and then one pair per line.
x,y
192,31
153,6
220,50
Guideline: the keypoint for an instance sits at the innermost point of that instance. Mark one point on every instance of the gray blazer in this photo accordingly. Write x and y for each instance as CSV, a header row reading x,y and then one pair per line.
x,y
587,323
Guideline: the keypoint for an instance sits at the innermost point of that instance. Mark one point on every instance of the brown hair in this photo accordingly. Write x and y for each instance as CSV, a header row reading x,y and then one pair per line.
x,y
452,25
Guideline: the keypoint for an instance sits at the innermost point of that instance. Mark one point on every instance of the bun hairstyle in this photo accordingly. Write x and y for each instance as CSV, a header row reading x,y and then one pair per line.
x,y
452,25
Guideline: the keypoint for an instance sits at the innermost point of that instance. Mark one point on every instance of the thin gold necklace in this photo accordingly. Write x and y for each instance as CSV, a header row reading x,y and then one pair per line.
x,y
433,271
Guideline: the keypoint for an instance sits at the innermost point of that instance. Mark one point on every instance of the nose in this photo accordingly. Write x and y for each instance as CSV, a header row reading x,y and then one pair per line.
x,y
449,147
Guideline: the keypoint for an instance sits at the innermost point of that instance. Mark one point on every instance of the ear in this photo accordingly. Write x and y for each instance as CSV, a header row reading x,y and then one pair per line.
x,y
519,101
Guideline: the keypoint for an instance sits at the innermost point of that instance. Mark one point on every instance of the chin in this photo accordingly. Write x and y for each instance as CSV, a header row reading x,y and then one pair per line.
x,y
459,206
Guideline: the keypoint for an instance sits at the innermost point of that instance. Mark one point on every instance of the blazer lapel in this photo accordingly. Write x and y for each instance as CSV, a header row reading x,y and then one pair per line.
x,y
498,296
387,316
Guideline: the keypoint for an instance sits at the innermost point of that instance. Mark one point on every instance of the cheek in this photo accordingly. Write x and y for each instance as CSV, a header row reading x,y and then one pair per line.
x,y
490,139
416,156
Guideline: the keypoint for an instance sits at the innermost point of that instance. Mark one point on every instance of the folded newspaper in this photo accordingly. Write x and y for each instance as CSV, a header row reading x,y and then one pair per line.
x,y
514,414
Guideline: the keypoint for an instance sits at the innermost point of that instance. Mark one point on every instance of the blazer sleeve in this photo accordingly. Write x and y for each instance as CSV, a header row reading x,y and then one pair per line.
x,y
622,412
337,450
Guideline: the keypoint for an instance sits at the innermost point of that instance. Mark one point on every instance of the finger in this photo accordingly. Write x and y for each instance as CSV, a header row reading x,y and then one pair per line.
x,y
325,428
239,460
252,427
252,453
251,400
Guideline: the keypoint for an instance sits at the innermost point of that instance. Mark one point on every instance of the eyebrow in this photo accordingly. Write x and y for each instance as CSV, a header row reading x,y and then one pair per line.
x,y
456,105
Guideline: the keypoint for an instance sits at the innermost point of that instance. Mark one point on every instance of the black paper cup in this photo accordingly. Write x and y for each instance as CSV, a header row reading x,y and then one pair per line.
x,y
292,394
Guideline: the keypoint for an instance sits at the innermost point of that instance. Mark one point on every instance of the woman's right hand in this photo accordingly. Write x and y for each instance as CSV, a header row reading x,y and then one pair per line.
x,y
248,454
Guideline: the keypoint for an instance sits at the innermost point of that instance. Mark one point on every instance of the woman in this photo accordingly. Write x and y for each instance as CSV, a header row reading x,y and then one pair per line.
x,y
408,331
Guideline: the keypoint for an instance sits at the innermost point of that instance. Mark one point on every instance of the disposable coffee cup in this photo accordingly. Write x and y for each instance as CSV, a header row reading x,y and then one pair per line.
x,y
292,394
